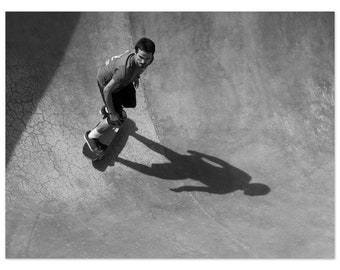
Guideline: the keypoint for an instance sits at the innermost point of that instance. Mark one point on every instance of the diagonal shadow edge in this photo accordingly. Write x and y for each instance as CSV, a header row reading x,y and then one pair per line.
x,y
35,45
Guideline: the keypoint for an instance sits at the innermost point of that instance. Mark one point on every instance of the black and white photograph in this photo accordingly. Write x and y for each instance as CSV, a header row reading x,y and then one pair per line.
x,y
170,135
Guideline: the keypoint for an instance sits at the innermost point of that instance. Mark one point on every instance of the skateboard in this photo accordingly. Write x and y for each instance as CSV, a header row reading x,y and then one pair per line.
x,y
106,139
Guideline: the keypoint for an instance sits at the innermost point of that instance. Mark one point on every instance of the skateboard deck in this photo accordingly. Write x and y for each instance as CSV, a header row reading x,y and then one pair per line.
x,y
106,139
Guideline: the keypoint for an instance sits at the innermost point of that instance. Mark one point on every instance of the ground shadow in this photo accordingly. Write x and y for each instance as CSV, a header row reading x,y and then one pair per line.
x,y
35,46
216,175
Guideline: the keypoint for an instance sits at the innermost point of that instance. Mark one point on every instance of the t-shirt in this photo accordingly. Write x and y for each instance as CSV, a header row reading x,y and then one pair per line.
x,y
122,68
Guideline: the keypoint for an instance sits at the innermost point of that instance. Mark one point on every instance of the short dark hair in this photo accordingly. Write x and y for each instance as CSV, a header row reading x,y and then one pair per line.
x,y
146,45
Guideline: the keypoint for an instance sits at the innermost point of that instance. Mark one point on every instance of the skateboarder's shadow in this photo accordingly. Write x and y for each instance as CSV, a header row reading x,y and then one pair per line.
x,y
216,175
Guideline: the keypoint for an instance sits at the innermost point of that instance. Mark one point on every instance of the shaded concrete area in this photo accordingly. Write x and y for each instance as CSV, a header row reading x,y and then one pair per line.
x,y
35,45
229,153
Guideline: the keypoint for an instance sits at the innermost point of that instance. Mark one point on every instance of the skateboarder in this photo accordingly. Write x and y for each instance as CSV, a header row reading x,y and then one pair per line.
x,y
117,80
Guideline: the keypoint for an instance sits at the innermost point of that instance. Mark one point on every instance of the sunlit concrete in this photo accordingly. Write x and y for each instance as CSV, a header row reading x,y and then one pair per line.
x,y
229,153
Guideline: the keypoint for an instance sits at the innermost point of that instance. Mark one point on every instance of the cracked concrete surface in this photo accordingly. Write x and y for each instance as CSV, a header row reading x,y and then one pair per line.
x,y
229,153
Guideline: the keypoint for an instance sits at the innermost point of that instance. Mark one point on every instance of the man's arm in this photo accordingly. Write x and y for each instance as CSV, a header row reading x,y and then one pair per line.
x,y
114,86
110,88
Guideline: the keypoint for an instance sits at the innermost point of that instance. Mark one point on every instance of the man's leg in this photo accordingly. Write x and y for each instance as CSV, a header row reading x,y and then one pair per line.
x,y
125,98
92,137
128,97
105,124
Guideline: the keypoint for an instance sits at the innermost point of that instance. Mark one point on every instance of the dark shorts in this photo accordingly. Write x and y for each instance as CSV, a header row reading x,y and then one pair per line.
x,y
126,97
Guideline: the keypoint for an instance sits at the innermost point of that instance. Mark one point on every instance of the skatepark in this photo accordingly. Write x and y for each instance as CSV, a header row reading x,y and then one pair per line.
x,y
228,154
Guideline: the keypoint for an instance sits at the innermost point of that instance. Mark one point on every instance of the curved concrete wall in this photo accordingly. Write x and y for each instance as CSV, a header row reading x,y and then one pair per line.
x,y
236,78
236,105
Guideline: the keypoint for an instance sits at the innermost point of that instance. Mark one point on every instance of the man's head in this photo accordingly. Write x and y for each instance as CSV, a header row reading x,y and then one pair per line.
x,y
145,49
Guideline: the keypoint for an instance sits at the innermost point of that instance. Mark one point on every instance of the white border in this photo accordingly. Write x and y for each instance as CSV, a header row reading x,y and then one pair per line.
x,y
170,5
146,5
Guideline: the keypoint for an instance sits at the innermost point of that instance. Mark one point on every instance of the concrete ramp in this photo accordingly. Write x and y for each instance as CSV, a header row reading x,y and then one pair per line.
x,y
229,153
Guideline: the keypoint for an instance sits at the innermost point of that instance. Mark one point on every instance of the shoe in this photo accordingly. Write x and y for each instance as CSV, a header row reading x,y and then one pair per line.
x,y
94,144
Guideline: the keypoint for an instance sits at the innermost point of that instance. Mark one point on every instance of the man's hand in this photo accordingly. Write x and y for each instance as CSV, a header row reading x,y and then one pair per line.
x,y
136,83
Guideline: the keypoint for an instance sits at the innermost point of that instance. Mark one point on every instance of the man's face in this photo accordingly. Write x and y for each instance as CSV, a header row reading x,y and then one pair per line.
x,y
143,59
